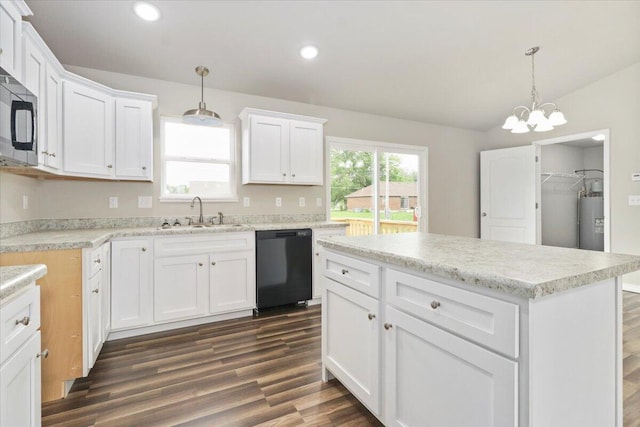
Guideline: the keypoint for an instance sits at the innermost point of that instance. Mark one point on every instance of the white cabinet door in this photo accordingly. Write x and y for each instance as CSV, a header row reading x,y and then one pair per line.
x,y
20,377
105,292
508,195
306,153
232,280
34,69
94,323
181,287
53,114
443,380
317,259
269,150
131,275
350,337
88,131
10,39
134,139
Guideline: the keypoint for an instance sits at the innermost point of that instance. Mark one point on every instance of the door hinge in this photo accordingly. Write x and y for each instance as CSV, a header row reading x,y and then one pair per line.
x,y
536,205
536,159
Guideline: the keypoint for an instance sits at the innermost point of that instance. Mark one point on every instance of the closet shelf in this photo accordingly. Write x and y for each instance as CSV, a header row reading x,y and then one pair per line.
x,y
548,175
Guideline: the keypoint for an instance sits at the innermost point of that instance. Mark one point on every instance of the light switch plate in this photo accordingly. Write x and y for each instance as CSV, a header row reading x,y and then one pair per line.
x,y
25,202
113,202
278,201
145,202
318,201
246,202
301,202
635,176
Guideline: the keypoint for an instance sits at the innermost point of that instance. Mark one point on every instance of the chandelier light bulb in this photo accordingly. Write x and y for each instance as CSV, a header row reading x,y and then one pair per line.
x,y
536,117
520,127
511,121
557,118
543,126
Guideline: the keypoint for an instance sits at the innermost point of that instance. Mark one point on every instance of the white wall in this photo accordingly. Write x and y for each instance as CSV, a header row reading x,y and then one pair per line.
x,y
12,189
452,160
614,103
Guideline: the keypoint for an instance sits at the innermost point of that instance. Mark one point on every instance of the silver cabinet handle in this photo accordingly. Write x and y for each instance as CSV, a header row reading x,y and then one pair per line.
x,y
484,214
371,316
435,304
144,168
46,153
144,249
95,291
388,326
109,166
44,354
52,154
213,263
25,321
1,51
345,271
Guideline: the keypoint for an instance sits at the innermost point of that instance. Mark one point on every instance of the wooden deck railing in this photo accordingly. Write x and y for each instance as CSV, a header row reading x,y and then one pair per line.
x,y
364,226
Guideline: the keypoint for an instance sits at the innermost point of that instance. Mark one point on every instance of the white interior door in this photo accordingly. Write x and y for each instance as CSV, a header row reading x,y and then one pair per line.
x,y
508,187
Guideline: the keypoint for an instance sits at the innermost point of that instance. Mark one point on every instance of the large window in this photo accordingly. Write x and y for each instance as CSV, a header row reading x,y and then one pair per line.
x,y
197,161
376,187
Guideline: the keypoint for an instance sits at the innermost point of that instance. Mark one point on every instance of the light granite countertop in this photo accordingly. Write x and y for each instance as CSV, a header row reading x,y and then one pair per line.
x,y
17,277
92,238
529,271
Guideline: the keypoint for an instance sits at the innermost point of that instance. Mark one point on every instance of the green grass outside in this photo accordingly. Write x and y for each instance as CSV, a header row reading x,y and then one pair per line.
x,y
395,216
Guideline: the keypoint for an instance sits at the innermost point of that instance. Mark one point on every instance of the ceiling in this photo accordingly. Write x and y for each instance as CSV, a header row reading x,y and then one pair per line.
x,y
456,63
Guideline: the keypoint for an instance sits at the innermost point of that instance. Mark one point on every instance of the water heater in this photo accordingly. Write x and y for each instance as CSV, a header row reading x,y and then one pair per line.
x,y
591,223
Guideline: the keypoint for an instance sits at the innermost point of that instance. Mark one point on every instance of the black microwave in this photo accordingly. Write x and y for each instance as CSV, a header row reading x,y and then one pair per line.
x,y
18,123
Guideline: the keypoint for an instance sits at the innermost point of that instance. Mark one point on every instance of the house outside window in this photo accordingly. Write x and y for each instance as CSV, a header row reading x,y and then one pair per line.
x,y
197,161
404,202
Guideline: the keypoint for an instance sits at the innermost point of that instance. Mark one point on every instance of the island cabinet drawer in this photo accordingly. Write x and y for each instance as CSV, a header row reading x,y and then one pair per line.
x,y
485,320
359,275
19,321
194,245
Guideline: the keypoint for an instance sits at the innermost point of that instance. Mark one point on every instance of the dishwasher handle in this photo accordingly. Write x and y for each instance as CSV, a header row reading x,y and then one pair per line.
x,y
286,234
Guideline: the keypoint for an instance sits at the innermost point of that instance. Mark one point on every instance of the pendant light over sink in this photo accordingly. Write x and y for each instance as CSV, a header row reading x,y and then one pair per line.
x,y
202,116
523,119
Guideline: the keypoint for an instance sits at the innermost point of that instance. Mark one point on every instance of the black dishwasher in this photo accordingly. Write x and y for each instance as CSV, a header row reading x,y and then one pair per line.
x,y
283,267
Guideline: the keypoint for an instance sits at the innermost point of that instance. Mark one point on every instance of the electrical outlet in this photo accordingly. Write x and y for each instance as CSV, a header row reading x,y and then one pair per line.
x,y
301,202
634,200
319,201
246,202
25,202
635,176
145,202
113,202
278,201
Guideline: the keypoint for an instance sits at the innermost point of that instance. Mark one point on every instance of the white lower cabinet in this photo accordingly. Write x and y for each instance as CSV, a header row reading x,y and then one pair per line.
x,y
442,380
350,341
95,315
20,378
232,281
131,282
96,290
181,287
317,258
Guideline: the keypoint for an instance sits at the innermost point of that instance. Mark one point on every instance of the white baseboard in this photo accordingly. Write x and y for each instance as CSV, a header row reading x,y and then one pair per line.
x,y
631,287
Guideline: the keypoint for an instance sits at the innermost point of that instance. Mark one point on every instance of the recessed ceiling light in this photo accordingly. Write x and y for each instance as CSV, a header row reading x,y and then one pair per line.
x,y
146,11
309,52
598,137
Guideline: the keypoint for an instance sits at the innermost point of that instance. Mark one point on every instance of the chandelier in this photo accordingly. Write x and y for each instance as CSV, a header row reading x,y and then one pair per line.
x,y
523,119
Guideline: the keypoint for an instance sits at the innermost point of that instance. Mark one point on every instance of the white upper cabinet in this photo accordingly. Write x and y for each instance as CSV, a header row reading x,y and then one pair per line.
x,y
52,134
134,139
11,13
281,148
88,130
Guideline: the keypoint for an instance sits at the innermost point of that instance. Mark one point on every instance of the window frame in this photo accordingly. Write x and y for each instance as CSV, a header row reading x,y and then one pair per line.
x,y
232,162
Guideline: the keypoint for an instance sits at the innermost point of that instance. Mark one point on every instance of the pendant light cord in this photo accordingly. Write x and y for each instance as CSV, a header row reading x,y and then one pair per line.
x,y
534,92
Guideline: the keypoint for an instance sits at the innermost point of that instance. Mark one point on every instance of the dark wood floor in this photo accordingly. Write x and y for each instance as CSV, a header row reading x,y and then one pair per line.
x,y
245,372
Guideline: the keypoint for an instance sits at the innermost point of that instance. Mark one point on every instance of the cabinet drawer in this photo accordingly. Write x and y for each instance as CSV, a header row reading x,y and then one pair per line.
x,y
194,245
359,275
19,320
95,262
485,320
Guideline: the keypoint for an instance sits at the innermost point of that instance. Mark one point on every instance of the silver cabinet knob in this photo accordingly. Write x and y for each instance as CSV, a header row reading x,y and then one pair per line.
x,y
371,316
435,304
95,291
144,249
144,168
484,214
284,174
1,51
200,264
388,326
109,166
317,253
213,263
44,354
25,321
52,154
97,260
345,271
293,175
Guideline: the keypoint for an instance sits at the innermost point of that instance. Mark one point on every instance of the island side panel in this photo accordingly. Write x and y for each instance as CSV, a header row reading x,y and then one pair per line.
x,y
575,357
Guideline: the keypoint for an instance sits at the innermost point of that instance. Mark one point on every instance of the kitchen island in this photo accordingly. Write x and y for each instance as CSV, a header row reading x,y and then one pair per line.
x,y
433,330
